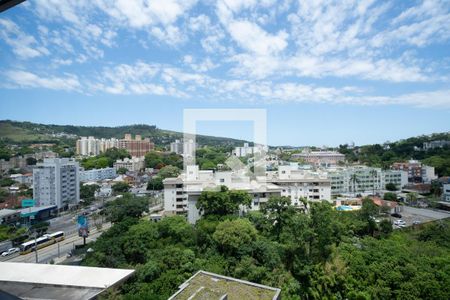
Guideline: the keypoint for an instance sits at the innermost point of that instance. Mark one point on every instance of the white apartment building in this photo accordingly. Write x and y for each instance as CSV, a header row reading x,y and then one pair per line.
x,y
367,179
134,164
56,182
181,193
176,147
90,146
248,150
301,184
320,158
179,147
97,174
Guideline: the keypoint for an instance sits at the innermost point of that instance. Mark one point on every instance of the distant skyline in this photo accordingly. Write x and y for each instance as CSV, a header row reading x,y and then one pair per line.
x,y
328,72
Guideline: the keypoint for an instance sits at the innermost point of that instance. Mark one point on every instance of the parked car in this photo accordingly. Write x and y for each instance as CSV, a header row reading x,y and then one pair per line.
x,y
396,215
10,251
416,222
400,223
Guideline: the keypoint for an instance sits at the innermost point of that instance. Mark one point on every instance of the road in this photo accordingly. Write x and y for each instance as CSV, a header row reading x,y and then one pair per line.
x,y
51,252
421,215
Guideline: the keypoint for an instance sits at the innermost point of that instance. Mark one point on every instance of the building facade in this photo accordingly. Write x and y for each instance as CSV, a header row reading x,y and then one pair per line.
x,y
56,182
134,164
90,146
417,172
362,179
247,150
97,174
446,192
136,147
320,158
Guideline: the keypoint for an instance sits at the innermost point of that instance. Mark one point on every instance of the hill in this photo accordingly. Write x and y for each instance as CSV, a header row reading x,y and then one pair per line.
x,y
27,132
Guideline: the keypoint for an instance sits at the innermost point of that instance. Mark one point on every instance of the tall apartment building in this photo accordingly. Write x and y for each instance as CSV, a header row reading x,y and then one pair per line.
x,y
320,158
56,182
90,146
183,147
137,147
417,172
367,179
435,144
248,150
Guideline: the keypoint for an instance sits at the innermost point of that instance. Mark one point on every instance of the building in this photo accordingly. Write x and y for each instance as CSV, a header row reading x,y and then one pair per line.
x,y
181,193
23,178
435,144
206,285
56,182
134,164
417,172
367,180
247,150
446,192
9,216
299,184
176,147
32,215
90,146
137,147
320,158
97,174
51,281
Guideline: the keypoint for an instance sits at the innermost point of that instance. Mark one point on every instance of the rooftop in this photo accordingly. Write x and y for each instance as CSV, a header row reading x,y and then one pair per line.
x,y
205,285
43,281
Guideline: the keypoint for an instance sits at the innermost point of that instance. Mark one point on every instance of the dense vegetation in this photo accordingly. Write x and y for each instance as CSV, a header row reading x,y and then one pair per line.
x,y
384,155
105,159
314,255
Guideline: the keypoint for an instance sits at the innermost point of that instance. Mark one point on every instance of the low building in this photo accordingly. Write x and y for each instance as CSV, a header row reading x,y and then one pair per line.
x,y
435,144
247,150
206,285
134,164
362,179
320,158
417,172
181,193
97,174
31,215
23,178
47,281
299,184
9,216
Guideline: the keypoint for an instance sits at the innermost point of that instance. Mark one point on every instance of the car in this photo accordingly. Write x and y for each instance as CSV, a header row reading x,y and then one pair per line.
x,y
396,215
10,251
416,222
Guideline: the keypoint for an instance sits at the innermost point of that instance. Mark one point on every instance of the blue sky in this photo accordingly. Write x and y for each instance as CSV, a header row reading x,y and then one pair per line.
x,y
328,72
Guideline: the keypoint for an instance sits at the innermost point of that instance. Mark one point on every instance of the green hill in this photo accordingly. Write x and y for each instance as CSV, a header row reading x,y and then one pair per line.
x,y
27,132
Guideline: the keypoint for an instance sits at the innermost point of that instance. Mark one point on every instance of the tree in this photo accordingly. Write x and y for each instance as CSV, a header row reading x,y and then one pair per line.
x,y
168,171
87,192
122,170
6,181
223,202
390,196
412,198
127,206
121,187
155,184
354,180
230,236
278,210
391,186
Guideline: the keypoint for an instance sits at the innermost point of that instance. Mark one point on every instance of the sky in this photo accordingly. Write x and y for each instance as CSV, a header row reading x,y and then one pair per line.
x,y
327,72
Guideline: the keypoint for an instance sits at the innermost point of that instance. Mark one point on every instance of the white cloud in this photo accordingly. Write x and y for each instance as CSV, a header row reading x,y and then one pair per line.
x,y
27,79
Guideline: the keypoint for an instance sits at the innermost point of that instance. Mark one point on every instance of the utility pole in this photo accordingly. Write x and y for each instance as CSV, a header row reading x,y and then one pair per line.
x,y
59,251
35,247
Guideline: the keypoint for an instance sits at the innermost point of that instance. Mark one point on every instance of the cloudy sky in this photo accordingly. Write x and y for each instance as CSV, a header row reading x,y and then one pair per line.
x,y
328,72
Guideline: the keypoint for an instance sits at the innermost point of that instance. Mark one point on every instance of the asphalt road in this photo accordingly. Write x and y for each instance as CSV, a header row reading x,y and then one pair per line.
x,y
422,215
51,252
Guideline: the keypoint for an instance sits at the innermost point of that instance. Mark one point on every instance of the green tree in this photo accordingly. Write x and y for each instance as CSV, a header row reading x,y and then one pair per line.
x,y
390,196
223,202
87,192
278,211
391,186
230,236
126,206
122,170
120,187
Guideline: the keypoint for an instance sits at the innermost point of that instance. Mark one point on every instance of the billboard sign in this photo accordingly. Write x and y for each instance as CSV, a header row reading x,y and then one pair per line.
x,y
83,226
28,203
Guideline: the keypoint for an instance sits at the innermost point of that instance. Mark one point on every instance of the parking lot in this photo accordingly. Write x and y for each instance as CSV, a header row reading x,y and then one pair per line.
x,y
422,215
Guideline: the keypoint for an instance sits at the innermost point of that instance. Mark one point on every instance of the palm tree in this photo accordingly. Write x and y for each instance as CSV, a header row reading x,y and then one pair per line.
x,y
354,179
374,174
412,198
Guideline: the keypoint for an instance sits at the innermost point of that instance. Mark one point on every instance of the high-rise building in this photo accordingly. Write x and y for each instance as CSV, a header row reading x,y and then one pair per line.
x,y
137,147
56,182
90,146
176,147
